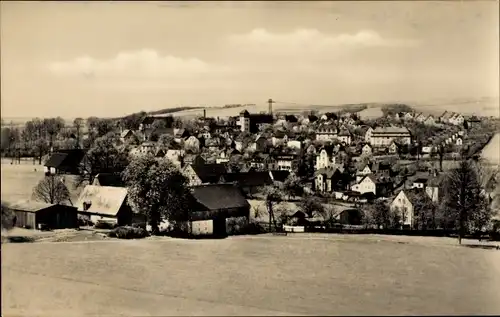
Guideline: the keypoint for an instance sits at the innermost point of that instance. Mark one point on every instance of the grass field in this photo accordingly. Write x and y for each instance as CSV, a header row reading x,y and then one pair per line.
x,y
18,181
263,275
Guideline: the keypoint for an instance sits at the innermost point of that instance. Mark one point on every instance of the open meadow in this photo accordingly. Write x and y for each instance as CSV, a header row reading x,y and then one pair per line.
x,y
301,274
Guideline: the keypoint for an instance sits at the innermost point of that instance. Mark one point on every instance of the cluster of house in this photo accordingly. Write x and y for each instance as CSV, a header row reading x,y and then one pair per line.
x,y
274,155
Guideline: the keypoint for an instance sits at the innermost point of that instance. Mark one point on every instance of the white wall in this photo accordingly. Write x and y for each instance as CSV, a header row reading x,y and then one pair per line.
x,y
202,227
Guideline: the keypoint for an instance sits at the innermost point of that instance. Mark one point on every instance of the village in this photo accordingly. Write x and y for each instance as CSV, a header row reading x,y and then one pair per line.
x,y
258,172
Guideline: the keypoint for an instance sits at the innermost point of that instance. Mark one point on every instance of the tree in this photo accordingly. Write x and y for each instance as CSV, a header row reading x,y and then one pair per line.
x,y
329,214
465,198
157,189
92,123
53,126
293,186
52,190
166,141
311,205
159,124
273,196
7,217
378,214
104,127
105,156
78,125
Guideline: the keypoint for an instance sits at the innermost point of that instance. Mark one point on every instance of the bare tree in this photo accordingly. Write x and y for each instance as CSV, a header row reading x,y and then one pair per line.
x,y
52,190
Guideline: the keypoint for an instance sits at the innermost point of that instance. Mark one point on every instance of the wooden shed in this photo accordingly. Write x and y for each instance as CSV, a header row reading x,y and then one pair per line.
x,y
33,214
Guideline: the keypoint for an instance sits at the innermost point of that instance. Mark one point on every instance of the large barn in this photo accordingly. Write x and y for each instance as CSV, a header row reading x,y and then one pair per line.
x,y
38,215
218,208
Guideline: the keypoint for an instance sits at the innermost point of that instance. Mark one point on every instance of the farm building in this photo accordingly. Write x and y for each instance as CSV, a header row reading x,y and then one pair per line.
x,y
64,162
108,179
34,215
108,204
216,207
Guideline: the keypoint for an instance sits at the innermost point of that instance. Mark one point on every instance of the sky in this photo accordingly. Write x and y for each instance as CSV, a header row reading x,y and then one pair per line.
x,y
74,59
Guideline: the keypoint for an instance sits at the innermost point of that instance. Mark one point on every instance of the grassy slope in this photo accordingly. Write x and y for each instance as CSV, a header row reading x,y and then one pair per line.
x,y
308,274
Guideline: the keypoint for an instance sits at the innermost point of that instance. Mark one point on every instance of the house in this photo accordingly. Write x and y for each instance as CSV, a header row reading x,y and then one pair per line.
x,y
420,183
37,215
329,179
367,184
108,179
363,171
252,122
181,134
225,155
65,162
326,157
459,141
128,136
160,153
368,135
408,116
191,159
294,144
260,144
263,161
279,137
217,210
445,117
212,144
153,134
326,132
382,137
393,148
457,119
430,120
147,147
366,149
287,162
198,174
473,121
405,204
420,117
345,136
108,204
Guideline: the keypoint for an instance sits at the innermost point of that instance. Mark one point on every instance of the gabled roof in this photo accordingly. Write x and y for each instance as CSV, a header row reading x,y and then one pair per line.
x,y
209,173
126,132
219,196
415,194
30,205
66,159
279,175
251,178
104,200
108,179
327,128
328,172
345,132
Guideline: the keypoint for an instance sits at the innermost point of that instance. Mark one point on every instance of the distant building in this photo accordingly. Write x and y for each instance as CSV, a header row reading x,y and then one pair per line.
x,y
251,122
382,137
65,162
327,132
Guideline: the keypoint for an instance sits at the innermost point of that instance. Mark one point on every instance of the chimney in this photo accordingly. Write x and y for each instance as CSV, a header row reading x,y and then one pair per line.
x,y
204,113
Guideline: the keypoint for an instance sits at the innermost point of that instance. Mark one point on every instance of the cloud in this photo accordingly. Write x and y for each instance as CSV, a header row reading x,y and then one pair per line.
x,y
311,41
141,63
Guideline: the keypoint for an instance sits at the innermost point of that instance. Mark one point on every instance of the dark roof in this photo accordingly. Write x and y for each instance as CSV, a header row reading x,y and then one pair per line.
x,y
291,118
421,180
312,118
280,176
209,173
415,194
261,118
244,113
66,160
109,179
219,196
250,178
30,206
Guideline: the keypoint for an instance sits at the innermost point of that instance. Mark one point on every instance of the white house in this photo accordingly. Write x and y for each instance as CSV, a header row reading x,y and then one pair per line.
x,y
286,162
368,134
326,133
430,120
294,144
404,204
345,136
366,149
459,141
457,119
367,184
175,156
382,137
325,158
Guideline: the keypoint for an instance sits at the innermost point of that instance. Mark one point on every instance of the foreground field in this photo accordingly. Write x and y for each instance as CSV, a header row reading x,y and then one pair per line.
x,y
263,275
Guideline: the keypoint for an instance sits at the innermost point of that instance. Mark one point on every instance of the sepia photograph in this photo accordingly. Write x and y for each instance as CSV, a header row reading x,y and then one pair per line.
x,y
250,158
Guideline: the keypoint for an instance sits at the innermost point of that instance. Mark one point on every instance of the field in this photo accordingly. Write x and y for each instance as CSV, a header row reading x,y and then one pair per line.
x,y
301,274
18,180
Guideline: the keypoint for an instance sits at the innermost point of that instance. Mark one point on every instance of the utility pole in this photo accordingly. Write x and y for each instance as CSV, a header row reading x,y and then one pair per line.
x,y
270,101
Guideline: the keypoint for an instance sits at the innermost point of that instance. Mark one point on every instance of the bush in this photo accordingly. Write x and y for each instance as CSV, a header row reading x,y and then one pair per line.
x,y
7,217
84,221
128,232
104,225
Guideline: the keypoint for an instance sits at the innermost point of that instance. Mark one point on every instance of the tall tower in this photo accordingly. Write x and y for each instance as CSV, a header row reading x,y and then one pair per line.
x,y
270,101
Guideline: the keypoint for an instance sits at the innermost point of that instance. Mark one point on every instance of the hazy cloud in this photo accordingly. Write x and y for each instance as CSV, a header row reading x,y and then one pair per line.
x,y
141,63
312,40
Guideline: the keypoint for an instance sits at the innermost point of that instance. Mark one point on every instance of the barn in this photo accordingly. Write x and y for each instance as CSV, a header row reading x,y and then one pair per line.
x,y
217,209
37,215
107,204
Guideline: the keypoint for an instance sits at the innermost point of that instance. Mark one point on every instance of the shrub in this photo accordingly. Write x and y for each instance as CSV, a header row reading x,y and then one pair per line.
x,y
104,225
84,221
128,232
7,217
